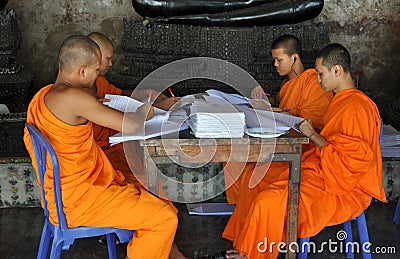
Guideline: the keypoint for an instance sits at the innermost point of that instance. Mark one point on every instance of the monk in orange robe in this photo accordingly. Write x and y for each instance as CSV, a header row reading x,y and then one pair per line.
x,y
339,177
94,193
102,87
300,93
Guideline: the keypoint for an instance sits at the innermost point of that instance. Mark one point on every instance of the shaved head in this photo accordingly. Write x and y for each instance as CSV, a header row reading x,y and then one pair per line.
x,y
77,50
289,43
102,40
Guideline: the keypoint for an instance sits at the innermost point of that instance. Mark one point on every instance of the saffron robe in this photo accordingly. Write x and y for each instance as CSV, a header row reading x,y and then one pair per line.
x,y
337,182
116,153
94,194
305,98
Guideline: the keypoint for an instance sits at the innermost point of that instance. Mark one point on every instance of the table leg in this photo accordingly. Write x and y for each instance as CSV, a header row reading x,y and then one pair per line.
x,y
152,173
293,206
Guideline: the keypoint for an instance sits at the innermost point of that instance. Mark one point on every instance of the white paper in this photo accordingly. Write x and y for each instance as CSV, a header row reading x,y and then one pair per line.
x,y
151,130
127,104
230,98
269,120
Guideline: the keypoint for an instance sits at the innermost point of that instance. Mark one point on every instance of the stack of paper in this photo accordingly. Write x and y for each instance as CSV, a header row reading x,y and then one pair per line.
x,y
390,142
216,121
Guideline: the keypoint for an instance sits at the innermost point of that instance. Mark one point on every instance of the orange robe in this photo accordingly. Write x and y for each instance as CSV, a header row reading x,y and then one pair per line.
x,y
305,98
116,153
337,182
94,194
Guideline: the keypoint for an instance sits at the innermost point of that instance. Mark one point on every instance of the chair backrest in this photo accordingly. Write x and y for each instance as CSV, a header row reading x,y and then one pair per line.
x,y
42,151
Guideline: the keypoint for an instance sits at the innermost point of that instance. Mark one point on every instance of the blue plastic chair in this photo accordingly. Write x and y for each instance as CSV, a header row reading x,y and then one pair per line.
x,y
62,235
397,213
362,231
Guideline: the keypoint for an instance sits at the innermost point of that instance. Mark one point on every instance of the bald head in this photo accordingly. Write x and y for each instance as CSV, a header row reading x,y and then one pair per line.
x,y
76,51
107,51
102,40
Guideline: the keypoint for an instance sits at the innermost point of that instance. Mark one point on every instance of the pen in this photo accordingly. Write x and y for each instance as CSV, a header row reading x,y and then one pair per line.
x,y
150,94
170,91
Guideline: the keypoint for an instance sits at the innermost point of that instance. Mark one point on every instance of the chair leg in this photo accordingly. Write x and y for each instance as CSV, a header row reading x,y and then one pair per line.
x,y
44,242
397,213
364,238
304,246
57,245
112,248
349,239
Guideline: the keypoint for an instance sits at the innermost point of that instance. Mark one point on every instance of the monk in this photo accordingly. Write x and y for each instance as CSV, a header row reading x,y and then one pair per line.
x,y
300,94
339,177
116,153
101,88
94,193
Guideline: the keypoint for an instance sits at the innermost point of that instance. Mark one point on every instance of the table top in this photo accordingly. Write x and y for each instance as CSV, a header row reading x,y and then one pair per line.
x,y
184,138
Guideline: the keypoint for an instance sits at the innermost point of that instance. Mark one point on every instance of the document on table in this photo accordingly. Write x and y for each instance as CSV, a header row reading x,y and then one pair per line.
x,y
155,127
230,98
127,104
268,120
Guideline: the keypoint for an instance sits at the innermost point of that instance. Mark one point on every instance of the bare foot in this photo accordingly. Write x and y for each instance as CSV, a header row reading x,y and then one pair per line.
x,y
176,253
233,254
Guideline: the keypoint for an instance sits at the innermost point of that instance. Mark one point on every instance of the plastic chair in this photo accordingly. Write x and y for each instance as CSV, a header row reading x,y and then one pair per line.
x,y
362,231
397,213
62,235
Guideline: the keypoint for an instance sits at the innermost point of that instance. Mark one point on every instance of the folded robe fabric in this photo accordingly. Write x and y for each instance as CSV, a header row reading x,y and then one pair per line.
x,y
94,194
337,183
304,97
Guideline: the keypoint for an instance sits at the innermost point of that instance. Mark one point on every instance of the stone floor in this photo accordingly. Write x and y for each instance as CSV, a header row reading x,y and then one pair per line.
x,y
197,236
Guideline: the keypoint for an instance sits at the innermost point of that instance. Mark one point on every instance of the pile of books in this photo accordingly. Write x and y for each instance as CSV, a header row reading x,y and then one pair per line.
x,y
216,121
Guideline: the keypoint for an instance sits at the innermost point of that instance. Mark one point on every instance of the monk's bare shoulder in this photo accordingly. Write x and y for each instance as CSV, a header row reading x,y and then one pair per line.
x,y
66,102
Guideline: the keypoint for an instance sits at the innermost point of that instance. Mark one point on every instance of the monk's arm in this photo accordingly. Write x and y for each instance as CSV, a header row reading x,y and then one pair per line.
x,y
88,107
160,100
308,130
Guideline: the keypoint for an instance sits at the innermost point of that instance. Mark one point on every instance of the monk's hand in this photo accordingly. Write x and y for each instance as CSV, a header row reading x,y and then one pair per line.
x,y
306,128
146,110
260,104
167,103
258,93
160,97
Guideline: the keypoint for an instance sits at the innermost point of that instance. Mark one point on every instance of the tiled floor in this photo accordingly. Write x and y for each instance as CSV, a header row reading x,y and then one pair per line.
x,y
197,236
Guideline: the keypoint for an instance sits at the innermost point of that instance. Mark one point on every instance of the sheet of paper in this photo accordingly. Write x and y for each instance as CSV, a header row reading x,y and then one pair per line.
x,y
155,129
127,104
231,98
268,120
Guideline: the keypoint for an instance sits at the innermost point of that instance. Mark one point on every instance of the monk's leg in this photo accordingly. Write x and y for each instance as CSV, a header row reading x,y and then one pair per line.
x,y
257,232
153,219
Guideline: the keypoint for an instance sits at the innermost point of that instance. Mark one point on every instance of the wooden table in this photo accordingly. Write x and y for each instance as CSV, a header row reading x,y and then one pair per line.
x,y
183,147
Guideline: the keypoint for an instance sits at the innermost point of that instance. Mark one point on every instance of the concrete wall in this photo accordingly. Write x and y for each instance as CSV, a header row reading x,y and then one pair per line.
x,y
369,28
